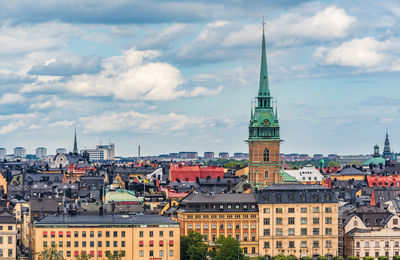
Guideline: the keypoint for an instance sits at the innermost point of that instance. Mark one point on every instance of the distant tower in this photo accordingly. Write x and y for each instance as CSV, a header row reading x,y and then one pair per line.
x,y
264,140
387,154
75,144
376,151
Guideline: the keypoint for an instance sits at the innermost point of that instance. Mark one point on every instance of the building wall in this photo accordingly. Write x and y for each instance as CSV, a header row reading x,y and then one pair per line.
x,y
8,241
257,165
270,216
135,241
240,225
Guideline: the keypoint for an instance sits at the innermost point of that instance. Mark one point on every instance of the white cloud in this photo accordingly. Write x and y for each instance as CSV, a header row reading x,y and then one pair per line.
x,y
51,101
12,126
327,24
165,38
367,53
138,122
11,98
132,76
202,91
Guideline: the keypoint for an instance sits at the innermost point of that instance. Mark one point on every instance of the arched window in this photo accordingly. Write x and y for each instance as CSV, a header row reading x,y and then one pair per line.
x,y
266,175
266,155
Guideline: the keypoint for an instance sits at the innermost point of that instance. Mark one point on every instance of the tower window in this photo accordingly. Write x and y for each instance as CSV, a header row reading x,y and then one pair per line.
x,y
266,155
266,175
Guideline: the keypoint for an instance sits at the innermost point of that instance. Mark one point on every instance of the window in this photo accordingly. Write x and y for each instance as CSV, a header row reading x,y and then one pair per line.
x,y
116,233
107,243
91,234
141,253
266,244
315,210
213,225
151,253
107,233
253,237
266,175
278,210
303,210
91,243
60,243
266,155
366,244
83,243
315,221
253,226
68,243
76,244
396,244
358,244
171,252
171,233
267,232
303,244
99,234
10,252
316,244
161,233
198,226
76,234
245,250
205,238
278,244
123,233
328,210
151,234
140,233
245,237
44,243
279,221
161,253
315,231
303,231
245,226
328,220
266,210
291,210
68,253
122,243
229,225
266,221
377,244
291,244
99,244
291,221
291,231
328,231
328,244
279,232
83,233
395,221
205,225
303,221
10,239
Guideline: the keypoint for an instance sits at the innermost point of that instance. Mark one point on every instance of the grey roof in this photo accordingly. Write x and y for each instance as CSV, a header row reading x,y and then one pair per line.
x,y
7,218
105,219
350,171
295,193
220,198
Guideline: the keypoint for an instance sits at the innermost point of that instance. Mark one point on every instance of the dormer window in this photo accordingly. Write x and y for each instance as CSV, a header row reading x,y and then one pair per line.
x,y
278,197
221,206
229,206
237,206
245,206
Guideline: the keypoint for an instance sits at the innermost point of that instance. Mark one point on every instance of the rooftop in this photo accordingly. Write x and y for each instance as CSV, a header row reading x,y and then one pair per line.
x,y
105,220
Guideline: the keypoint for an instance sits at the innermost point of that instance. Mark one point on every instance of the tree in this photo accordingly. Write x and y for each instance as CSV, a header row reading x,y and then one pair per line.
x,y
353,258
395,257
50,253
193,247
369,258
83,257
382,257
292,257
322,258
116,256
306,258
338,258
228,248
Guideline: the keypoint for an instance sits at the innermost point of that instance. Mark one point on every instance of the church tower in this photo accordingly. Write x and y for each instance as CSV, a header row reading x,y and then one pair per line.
x,y
75,144
264,140
387,154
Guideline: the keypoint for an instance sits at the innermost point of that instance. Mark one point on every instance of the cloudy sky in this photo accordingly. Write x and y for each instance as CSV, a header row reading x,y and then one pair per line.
x,y
180,75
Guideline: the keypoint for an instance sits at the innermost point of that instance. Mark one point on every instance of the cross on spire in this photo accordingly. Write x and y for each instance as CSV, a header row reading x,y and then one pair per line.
x,y
263,24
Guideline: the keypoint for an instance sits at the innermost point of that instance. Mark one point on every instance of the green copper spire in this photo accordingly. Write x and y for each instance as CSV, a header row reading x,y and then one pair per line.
x,y
264,88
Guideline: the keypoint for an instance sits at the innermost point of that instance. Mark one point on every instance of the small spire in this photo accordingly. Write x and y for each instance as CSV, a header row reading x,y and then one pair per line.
x,y
264,86
75,143
251,111
276,109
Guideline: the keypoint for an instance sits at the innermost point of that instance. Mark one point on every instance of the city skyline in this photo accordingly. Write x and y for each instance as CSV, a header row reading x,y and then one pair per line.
x,y
182,77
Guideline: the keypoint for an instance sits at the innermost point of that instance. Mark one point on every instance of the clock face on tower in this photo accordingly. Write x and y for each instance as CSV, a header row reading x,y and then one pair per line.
x,y
266,122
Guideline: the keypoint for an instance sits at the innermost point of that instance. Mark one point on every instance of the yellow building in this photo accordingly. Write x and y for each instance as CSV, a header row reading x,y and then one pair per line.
x,y
137,236
212,215
349,173
8,236
297,219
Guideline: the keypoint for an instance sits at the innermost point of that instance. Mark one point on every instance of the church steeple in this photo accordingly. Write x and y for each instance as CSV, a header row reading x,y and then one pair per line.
x,y
75,144
263,90
387,154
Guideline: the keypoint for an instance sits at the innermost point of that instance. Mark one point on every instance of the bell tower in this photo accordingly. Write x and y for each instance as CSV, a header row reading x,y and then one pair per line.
x,y
264,140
